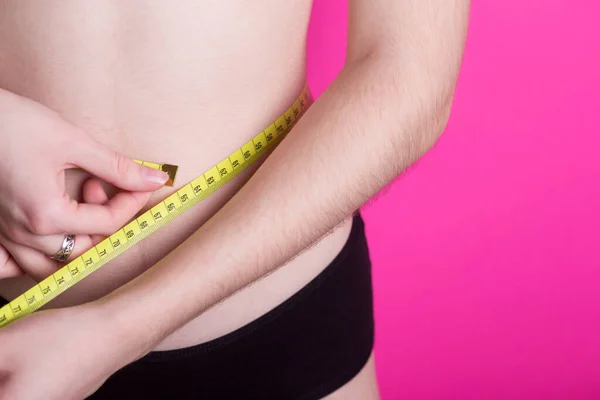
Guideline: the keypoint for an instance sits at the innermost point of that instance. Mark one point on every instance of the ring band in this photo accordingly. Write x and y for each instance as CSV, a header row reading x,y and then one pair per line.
x,y
66,249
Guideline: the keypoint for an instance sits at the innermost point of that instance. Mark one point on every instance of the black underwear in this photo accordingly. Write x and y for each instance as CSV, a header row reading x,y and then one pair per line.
x,y
305,348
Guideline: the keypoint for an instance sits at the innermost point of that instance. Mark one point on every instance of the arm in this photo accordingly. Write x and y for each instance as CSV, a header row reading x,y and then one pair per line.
x,y
387,107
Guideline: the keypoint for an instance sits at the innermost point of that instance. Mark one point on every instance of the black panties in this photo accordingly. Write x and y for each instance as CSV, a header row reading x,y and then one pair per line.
x,y
305,348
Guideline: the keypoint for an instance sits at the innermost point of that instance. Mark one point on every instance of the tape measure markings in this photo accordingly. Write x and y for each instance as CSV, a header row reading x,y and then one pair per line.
x,y
159,215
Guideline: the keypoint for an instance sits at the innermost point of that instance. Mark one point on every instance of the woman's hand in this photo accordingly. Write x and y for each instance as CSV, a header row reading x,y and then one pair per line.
x,y
36,147
64,354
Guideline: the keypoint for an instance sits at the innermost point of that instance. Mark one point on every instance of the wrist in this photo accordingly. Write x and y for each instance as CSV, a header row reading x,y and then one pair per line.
x,y
124,340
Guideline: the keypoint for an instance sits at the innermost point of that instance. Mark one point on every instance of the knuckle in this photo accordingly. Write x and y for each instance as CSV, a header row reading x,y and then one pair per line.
x,y
111,224
122,165
15,233
15,228
40,222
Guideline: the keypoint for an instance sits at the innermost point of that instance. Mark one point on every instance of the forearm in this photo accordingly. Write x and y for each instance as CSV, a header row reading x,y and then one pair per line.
x,y
377,118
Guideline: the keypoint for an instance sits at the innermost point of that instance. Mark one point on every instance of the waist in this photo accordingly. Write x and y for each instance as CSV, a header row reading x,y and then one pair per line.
x,y
195,154
195,148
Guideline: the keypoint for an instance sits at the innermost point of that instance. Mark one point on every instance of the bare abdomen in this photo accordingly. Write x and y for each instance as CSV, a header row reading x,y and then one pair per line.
x,y
184,83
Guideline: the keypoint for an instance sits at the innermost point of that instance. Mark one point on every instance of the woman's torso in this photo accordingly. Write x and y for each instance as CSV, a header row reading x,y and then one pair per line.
x,y
182,82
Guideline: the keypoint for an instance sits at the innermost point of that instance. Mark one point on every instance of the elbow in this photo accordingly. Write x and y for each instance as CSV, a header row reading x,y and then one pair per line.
x,y
441,116
422,99
420,129
433,122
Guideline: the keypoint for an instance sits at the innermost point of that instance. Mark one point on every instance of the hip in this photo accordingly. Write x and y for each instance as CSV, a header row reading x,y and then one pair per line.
x,y
307,347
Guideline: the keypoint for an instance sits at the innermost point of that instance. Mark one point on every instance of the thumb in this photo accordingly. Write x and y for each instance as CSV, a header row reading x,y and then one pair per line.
x,y
117,168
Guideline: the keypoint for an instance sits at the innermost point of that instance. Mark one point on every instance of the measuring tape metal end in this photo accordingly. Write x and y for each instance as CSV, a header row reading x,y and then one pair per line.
x,y
171,170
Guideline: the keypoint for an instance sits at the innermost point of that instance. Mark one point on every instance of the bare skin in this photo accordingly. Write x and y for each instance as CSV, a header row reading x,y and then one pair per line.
x,y
187,84
177,83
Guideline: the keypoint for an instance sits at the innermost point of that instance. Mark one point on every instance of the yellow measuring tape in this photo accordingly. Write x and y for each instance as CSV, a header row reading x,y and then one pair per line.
x,y
158,216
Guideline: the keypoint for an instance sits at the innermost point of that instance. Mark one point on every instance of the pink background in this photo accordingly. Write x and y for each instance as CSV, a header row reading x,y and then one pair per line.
x,y
486,255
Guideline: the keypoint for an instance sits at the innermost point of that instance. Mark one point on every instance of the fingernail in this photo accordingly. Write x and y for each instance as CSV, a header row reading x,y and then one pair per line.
x,y
155,176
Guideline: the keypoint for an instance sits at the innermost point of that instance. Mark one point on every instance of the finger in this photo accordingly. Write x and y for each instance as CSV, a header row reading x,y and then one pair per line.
x,y
50,245
116,168
32,262
94,219
8,266
94,193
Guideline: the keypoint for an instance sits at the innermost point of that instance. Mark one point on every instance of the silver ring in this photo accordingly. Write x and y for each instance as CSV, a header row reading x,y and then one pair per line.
x,y
66,249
